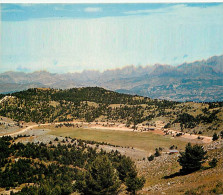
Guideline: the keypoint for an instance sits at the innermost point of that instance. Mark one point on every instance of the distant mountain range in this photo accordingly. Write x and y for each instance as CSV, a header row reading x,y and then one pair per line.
x,y
197,81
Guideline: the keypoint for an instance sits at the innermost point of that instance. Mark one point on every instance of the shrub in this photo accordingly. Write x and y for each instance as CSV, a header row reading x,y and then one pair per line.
x,y
221,134
168,125
56,139
157,153
151,157
213,163
215,137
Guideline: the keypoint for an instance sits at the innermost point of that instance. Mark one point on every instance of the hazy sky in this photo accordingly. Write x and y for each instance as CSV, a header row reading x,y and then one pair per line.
x,y
73,37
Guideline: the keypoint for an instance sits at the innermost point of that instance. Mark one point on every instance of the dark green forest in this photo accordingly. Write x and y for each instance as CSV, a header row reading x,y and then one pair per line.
x,y
36,105
65,168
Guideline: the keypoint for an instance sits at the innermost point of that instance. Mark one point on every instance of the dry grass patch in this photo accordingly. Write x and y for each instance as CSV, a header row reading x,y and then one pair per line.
x,y
145,141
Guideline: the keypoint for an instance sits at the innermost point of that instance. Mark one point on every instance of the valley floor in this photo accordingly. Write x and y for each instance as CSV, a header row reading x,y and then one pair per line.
x,y
138,145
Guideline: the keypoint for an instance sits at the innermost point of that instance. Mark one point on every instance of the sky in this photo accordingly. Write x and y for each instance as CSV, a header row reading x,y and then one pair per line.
x,y
62,38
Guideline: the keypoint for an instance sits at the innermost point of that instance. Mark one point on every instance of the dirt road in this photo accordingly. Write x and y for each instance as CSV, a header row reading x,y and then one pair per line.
x,y
117,127
204,139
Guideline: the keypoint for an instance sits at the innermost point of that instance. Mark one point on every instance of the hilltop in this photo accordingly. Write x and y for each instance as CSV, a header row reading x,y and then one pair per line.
x,y
197,81
97,104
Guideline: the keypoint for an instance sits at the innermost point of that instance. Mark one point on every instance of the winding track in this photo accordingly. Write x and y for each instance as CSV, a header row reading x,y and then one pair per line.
x,y
205,139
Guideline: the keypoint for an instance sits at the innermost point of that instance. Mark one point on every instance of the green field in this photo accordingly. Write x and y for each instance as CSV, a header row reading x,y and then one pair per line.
x,y
145,141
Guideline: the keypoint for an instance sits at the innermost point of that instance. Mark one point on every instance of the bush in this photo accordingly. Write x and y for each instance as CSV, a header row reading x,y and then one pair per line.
x,y
168,125
157,153
151,157
213,163
56,139
221,134
218,189
215,137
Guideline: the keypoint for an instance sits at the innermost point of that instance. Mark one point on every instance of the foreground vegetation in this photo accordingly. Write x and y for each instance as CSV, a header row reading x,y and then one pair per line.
x,y
72,165
66,168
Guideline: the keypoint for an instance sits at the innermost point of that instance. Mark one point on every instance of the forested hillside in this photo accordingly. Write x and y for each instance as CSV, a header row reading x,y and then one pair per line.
x,y
49,105
63,168
89,104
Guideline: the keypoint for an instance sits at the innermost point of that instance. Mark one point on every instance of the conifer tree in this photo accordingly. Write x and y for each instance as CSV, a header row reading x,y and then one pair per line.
x,y
101,178
192,159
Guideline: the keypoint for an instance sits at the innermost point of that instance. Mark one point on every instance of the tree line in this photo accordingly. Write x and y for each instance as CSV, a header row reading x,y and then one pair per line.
x,y
52,105
65,168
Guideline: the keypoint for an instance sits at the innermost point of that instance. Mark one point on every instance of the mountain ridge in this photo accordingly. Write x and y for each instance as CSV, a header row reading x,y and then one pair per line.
x,y
195,81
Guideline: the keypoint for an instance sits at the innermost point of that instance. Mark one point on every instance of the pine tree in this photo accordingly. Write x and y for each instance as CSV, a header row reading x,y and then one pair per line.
x,y
133,182
124,167
192,159
128,174
101,178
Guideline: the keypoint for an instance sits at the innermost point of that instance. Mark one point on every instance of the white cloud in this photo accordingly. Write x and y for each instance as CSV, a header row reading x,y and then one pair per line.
x,y
111,42
152,11
93,9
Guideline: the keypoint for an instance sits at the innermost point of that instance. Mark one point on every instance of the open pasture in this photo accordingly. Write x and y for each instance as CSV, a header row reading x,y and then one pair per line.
x,y
144,141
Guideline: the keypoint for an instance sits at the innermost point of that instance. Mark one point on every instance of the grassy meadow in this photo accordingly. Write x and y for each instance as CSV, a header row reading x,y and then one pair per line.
x,y
145,141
